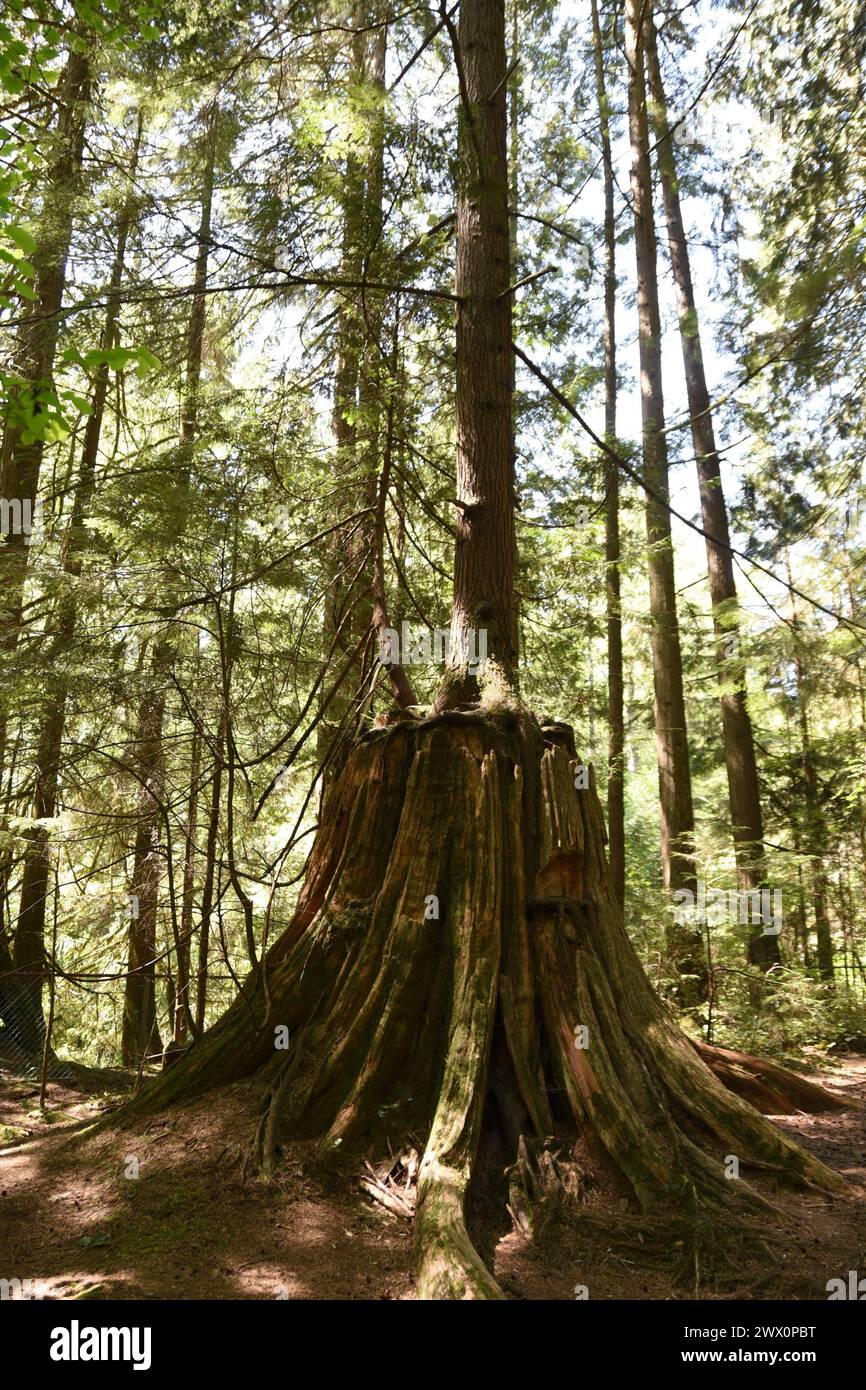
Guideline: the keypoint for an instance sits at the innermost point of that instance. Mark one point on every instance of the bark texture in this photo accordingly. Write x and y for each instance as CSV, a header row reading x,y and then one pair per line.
x,y
615,710
20,466
675,784
815,824
21,461
484,556
740,762
140,1034
353,574
29,938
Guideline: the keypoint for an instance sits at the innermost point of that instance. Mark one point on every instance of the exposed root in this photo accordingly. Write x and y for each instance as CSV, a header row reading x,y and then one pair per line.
x,y
448,1265
266,1142
770,1088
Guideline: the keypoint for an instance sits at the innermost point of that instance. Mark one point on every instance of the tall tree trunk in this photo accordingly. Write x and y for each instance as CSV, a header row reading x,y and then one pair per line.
x,y
182,1008
675,784
140,1034
743,788
29,948
209,876
21,462
484,557
816,830
357,404
37,342
615,715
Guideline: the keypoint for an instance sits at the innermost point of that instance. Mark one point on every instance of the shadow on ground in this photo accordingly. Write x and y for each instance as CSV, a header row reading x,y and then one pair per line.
x,y
193,1224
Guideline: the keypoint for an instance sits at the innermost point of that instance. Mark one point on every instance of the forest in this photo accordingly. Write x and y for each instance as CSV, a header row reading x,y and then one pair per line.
x,y
433,639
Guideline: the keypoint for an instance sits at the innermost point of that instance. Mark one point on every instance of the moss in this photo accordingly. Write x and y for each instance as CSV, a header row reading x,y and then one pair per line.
x,y
354,917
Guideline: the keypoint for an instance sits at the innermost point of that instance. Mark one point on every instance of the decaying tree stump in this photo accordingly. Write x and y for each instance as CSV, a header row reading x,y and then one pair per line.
x,y
457,906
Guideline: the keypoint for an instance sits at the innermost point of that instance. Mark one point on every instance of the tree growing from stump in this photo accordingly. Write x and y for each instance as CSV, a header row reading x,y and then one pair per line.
x,y
457,965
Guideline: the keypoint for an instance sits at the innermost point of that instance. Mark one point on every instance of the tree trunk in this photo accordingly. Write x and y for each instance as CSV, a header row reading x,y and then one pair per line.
x,y
20,465
207,892
675,785
37,342
484,557
357,401
182,1010
743,788
29,948
140,1034
615,716
816,829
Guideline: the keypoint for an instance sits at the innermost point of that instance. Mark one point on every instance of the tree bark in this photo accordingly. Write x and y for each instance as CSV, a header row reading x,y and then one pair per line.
x,y
816,829
484,557
615,715
29,948
209,876
357,396
675,786
21,462
739,746
182,1009
140,1034
37,342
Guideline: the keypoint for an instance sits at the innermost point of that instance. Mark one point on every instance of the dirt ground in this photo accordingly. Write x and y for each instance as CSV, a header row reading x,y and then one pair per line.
x,y
168,1210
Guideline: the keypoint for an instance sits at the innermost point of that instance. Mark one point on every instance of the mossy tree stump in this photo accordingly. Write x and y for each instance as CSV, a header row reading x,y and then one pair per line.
x,y
457,905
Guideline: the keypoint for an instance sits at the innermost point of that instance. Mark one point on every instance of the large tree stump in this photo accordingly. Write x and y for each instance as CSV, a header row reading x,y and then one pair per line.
x,y
457,904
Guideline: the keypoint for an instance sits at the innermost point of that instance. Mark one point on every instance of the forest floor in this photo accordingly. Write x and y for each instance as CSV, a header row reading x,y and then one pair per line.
x,y
195,1224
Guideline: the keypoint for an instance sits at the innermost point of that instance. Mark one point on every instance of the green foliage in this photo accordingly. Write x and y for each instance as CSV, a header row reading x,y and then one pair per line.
x,y
219,522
